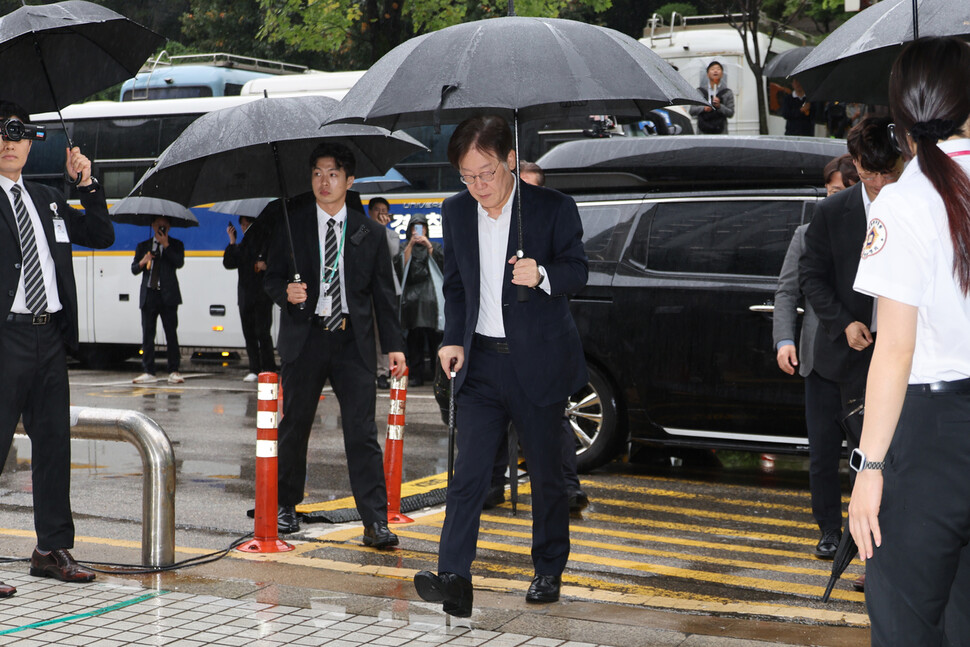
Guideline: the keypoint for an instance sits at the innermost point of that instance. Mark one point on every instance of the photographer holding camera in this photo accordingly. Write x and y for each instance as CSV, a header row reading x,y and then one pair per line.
x,y
38,326
157,259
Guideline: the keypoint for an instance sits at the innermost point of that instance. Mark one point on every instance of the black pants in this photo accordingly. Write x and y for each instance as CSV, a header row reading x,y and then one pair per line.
x,y
918,581
823,403
33,382
150,312
568,458
421,341
490,398
336,356
256,317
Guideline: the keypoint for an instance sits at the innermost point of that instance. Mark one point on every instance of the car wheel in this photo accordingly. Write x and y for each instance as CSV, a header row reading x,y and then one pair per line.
x,y
592,414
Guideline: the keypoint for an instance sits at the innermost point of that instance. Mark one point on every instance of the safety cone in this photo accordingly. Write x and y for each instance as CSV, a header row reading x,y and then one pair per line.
x,y
394,449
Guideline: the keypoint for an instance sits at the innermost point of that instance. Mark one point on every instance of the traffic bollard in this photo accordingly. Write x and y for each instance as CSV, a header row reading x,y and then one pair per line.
x,y
266,536
394,449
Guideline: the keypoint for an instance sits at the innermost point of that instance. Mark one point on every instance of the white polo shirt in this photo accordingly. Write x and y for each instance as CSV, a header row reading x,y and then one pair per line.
x,y
908,257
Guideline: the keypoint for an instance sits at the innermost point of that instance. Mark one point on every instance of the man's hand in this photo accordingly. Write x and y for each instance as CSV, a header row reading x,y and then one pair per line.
x,y
397,364
858,335
77,164
296,292
447,353
259,266
716,102
145,260
232,234
525,272
787,358
162,237
418,239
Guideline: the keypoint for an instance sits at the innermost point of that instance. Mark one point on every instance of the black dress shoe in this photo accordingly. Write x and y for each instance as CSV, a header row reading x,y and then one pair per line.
x,y
577,500
859,583
377,535
60,565
544,588
495,497
453,591
828,544
287,520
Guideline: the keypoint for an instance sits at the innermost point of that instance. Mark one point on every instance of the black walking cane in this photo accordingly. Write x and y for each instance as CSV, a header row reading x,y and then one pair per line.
x,y
451,419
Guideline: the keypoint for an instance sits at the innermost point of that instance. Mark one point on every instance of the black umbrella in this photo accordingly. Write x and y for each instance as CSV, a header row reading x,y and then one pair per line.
x,y
138,210
524,68
248,207
854,61
54,55
782,64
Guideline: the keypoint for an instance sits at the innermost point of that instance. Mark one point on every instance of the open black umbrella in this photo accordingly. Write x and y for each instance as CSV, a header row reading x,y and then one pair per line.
x,y
782,64
54,55
854,61
139,210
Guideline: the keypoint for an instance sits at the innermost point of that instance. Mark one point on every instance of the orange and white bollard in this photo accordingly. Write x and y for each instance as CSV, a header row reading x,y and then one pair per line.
x,y
394,449
266,536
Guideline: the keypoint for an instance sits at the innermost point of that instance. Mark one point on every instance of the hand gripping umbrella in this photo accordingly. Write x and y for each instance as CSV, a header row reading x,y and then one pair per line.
x,y
248,151
854,61
54,55
523,68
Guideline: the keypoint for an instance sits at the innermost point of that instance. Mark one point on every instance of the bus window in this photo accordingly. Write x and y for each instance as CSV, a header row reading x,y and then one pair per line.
x,y
174,92
128,138
172,126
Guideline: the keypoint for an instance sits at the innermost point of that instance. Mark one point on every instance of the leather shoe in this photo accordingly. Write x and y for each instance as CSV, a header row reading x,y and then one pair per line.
x,y
287,520
377,535
859,583
577,500
453,591
544,588
495,497
60,565
828,544
6,590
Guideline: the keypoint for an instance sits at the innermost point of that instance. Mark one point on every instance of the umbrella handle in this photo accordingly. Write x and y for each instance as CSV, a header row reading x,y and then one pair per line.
x,y
296,279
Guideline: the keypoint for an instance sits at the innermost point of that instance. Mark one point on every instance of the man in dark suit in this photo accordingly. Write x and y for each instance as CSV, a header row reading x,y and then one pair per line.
x,y
516,360
38,326
255,306
327,331
157,259
827,269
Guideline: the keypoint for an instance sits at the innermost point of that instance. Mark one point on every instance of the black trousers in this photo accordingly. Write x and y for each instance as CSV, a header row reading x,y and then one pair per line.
x,y
823,403
490,398
918,581
332,355
33,383
568,458
257,320
421,342
150,312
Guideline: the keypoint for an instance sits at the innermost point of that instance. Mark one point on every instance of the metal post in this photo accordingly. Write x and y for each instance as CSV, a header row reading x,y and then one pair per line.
x,y
158,466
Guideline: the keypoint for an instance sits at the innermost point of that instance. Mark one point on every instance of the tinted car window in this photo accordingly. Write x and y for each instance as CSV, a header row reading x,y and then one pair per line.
x,y
605,228
747,237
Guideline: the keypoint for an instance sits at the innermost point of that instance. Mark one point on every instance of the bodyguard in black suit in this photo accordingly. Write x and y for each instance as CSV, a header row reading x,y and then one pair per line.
x,y
38,326
517,360
327,331
157,259
255,307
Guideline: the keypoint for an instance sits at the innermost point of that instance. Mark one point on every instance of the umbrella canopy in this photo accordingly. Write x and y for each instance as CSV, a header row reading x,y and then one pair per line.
x,y
250,150
381,183
57,54
539,67
248,207
854,61
138,210
782,65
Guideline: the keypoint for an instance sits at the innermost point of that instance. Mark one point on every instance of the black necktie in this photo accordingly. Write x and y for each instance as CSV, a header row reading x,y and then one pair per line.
x,y
34,293
153,273
330,254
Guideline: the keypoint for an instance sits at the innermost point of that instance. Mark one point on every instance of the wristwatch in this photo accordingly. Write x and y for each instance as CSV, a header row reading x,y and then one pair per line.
x,y
858,462
90,188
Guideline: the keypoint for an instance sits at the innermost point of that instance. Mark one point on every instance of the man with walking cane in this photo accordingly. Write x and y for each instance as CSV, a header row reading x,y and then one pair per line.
x,y
514,360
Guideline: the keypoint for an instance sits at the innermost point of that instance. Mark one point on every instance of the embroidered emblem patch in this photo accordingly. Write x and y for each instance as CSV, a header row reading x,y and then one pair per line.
x,y
875,239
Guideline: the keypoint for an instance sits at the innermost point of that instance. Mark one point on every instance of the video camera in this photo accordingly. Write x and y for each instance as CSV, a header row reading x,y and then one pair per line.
x,y
14,130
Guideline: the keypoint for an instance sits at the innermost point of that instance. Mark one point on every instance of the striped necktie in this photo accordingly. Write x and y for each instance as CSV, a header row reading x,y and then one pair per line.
x,y
330,254
34,292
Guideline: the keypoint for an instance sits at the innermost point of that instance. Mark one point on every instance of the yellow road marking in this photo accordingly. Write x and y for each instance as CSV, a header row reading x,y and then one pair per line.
x,y
724,486
801,509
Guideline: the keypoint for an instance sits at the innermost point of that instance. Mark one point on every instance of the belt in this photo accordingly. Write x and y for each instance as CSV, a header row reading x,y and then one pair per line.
x,y
322,323
956,386
34,320
494,344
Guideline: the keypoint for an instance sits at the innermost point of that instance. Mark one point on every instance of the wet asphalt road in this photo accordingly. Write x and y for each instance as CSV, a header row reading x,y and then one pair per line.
x,y
728,535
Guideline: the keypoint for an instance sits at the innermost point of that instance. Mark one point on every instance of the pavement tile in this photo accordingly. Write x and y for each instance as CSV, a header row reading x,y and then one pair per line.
x,y
106,642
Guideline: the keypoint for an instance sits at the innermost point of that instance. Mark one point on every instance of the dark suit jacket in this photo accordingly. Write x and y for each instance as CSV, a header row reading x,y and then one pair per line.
x,y
369,289
543,339
168,261
92,228
243,257
833,244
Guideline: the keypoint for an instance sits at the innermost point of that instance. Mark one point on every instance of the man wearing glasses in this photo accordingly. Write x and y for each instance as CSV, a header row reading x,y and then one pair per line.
x,y
515,360
827,269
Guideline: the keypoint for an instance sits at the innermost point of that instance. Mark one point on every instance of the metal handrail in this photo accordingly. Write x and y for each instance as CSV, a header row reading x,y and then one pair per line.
x,y
158,466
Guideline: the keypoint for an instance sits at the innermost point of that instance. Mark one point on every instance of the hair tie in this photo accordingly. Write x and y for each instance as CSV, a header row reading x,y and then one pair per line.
x,y
934,129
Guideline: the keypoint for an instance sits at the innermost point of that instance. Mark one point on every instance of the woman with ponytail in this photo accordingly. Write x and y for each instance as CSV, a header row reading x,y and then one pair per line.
x,y
910,508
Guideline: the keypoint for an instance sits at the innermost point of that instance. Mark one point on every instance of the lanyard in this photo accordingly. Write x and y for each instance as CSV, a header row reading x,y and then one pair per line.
x,y
958,153
336,262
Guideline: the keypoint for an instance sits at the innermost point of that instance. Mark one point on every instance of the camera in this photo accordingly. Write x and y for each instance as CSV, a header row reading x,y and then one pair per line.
x,y
14,130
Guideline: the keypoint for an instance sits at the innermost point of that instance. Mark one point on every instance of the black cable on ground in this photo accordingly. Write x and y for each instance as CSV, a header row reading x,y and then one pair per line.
x,y
142,569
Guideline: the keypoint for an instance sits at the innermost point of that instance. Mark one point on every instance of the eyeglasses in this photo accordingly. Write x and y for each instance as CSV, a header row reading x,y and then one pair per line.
x,y
889,176
486,176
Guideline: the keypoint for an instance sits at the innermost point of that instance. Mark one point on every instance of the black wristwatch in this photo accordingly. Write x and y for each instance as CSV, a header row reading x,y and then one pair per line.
x,y
91,188
858,462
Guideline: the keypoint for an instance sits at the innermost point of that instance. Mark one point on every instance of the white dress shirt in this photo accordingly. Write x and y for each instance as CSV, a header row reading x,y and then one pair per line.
x,y
43,251
323,218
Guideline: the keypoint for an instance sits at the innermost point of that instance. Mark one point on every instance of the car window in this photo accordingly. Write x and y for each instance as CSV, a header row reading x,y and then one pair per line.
x,y
605,228
747,237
